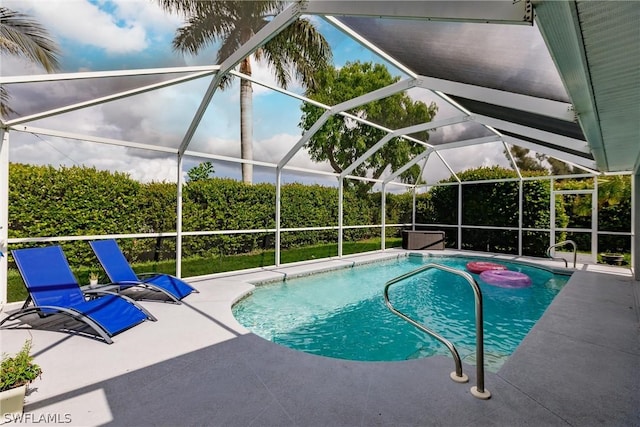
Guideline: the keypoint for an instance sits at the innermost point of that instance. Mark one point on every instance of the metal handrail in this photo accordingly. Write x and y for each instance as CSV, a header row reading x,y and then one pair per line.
x,y
458,376
566,242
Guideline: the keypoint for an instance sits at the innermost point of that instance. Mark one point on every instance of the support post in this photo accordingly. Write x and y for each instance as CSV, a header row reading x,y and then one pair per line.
x,y
180,181
552,216
459,216
635,224
594,221
4,213
340,214
278,213
383,213
520,215
413,211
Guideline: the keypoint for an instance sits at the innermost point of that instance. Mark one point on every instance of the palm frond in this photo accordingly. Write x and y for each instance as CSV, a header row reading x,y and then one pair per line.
x,y
279,64
231,42
21,35
5,110
182,7
302,48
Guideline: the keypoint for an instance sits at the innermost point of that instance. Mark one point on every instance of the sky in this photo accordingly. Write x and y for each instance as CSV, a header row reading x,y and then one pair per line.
x,y
99,35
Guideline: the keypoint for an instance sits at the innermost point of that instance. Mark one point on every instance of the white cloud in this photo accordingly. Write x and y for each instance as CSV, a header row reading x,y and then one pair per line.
x,y
125,28
162,117
461,159
148,14
274,148
85,23
44,150
263,72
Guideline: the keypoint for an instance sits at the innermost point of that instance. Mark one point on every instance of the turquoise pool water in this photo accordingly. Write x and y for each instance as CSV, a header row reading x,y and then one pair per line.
x,y
341,313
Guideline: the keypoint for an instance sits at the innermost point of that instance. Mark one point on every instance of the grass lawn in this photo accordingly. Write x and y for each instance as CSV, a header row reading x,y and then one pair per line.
x,y
197,266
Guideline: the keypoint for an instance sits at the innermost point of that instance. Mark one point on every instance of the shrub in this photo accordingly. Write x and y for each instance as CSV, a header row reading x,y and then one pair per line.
x,y
491,204
18,370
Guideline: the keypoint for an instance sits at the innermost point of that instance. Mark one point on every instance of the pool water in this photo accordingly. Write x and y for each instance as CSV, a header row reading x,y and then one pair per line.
x,y
342,314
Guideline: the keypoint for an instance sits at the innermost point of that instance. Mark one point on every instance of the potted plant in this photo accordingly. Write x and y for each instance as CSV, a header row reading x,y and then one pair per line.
x,y
93,278
17,372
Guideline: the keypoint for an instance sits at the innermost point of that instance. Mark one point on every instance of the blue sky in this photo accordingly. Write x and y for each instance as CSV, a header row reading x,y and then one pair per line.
x,y
96,35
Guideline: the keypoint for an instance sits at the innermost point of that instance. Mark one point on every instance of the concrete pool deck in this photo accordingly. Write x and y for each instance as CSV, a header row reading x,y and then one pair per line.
x,y
579,366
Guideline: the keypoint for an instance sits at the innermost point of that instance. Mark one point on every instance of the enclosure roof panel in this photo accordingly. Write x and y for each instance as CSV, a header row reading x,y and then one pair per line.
x,y
512,58
537,121
561,75
583,53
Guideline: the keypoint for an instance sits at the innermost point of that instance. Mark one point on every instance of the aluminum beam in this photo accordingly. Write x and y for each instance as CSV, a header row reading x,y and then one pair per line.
x,y
422,169
89,138
266,33
4,214
319,104
279,89
278,216
404,131
104,99
227,158
547,107
366,43
338,108
448,166
467,143
179,223
505,12
106,74
558,154
426,153
553,138
512,160
635,224
407,165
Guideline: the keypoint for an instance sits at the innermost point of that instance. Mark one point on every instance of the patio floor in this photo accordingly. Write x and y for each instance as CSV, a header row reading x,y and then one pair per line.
x,y
579,366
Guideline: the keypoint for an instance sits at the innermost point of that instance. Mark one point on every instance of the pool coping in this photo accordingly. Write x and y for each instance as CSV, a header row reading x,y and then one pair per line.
x,y
425,256
272,274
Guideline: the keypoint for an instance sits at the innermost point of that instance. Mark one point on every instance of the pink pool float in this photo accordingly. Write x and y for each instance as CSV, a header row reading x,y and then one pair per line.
x,y
506,278
478,267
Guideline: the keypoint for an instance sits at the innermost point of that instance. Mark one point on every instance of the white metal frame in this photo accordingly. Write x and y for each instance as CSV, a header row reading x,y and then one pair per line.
x,y
593,230
4,213
503,12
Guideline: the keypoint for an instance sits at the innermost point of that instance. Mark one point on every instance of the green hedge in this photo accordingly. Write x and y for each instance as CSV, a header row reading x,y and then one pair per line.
x,y
491,204
76,201
45,201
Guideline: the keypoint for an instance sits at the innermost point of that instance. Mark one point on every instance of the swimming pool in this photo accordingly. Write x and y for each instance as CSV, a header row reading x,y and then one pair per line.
x,y
341,313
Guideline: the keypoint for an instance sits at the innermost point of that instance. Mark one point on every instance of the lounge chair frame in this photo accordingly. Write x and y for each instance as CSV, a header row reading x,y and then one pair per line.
x,y
41,310
144,279
54,259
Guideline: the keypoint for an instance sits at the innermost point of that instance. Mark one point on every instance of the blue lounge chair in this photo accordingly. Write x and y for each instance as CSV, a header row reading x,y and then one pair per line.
x,y
53,289
120,273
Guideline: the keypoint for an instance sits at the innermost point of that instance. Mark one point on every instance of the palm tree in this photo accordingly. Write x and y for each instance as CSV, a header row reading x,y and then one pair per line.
x,y
22,36
299,49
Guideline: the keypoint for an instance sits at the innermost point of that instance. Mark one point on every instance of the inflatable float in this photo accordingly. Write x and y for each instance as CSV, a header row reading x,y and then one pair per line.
x,y
506,278
478,267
